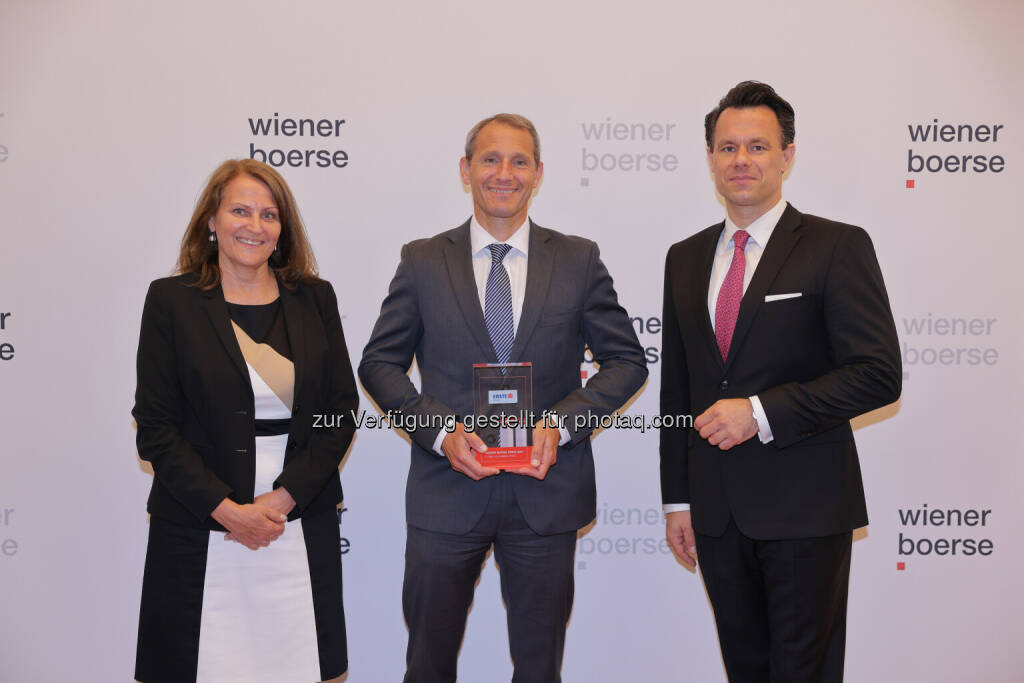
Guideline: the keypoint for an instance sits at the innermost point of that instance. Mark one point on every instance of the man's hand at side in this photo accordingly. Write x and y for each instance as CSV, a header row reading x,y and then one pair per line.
x,y
679,532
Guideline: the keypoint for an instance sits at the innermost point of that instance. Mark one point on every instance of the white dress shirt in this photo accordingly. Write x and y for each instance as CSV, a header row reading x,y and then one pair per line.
x,y
760,230
514,262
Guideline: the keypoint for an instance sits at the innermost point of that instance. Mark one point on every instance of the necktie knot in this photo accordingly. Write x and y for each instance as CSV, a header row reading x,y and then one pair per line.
x,y
498,252
740,239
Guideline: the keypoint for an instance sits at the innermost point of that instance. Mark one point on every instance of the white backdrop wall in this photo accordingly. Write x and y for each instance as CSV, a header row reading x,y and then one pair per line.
x,y
112,113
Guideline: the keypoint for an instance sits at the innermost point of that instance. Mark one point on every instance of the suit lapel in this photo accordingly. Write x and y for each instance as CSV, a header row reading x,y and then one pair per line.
x,y
217,310
700,284
295,323
538,278
780,244
459,261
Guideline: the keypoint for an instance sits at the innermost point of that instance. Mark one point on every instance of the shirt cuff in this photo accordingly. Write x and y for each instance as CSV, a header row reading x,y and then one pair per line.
x,y
437,443
563,436
675,507
764,430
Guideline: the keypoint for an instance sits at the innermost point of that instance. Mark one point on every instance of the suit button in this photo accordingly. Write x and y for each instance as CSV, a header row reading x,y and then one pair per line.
x,y
724,385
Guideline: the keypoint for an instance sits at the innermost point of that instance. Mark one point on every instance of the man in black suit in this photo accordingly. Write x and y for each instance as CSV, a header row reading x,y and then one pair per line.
x,y
777,331
498,288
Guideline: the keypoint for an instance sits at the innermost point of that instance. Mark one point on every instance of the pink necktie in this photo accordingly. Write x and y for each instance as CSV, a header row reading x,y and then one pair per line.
x,y
729,296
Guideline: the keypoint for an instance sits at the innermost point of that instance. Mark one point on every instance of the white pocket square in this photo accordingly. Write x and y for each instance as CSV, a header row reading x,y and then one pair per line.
x,y
780,297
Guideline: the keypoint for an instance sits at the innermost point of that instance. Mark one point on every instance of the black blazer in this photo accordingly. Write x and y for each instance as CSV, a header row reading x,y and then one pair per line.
x,y
814,361
194,402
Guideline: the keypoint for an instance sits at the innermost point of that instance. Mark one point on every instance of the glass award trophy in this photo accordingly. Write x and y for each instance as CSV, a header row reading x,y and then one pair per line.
x,y
503,401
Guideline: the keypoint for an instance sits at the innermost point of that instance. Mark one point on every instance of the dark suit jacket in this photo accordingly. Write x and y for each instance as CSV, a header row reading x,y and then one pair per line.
x,y
194,402
815,362
432,311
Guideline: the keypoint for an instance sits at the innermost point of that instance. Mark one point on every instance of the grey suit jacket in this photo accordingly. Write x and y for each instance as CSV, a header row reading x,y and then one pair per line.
x,y
432,311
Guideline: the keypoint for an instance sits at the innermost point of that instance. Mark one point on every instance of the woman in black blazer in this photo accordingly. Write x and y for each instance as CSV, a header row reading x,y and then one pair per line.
x,y
237,353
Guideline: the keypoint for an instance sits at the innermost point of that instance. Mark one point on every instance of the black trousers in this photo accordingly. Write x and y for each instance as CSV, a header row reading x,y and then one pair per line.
x,y
780,606
537,586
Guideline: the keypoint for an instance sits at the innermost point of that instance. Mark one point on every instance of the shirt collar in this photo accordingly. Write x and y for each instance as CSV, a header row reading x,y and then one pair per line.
x,y
760,230
480,239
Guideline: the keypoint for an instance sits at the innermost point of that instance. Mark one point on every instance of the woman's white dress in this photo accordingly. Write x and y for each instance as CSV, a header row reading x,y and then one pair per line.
x,y
257,623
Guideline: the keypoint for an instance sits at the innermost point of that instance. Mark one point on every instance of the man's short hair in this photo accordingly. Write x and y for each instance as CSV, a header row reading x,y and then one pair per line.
x,y
754,94
514,120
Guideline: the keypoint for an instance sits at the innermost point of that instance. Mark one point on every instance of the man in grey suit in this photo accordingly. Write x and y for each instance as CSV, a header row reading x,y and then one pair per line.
x,y
448,305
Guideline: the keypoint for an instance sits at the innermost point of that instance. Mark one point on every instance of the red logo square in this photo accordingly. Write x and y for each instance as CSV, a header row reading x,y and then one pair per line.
x,y
583,374
900,566
910,184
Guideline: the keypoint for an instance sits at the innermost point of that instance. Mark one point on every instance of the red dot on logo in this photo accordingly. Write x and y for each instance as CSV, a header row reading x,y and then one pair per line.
x,y
910,184
900,566
583,374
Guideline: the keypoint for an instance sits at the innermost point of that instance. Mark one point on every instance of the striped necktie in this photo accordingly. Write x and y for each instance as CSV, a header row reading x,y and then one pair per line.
x,y
498,304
